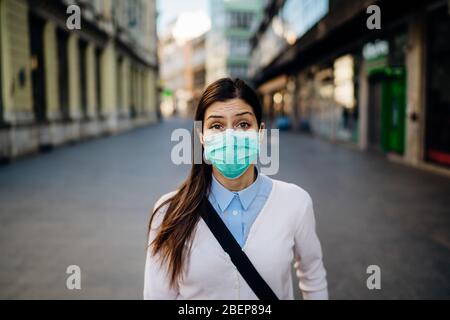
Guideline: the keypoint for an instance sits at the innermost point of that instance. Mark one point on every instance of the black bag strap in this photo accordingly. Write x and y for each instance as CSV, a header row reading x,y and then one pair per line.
x,y
238,257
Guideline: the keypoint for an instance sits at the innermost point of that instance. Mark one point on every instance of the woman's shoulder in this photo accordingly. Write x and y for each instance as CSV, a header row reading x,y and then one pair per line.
x,y
159,211
164,198
296,201
291,190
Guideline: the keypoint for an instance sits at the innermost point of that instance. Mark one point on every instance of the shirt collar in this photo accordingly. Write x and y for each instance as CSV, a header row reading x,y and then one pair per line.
x,y
224,196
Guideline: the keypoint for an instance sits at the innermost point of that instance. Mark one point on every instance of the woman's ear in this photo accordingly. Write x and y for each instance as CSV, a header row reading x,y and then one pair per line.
x,y
200,135
262,127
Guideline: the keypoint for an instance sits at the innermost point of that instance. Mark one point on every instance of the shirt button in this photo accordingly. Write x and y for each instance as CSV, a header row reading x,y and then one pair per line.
x,y
235,212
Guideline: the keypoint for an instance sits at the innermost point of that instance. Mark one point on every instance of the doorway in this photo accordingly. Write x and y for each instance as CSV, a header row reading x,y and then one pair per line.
x,y
82,45
63,72
375,98
387,109
36,31
437,131
1,70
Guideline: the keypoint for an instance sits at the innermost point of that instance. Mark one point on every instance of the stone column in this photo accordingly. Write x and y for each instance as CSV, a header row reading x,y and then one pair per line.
x,y
416,74
108,87
363,105
51,71
74,77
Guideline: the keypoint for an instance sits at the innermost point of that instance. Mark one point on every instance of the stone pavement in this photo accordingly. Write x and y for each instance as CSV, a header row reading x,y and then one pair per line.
x,y
87,204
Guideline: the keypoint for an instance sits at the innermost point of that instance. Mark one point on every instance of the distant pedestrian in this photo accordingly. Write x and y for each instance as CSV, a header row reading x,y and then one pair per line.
x,y
229,231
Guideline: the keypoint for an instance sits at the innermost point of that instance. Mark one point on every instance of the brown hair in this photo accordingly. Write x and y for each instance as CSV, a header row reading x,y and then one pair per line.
x,y
182,213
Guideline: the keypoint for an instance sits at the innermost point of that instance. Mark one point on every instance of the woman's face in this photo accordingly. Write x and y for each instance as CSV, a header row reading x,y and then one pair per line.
x,y
231,114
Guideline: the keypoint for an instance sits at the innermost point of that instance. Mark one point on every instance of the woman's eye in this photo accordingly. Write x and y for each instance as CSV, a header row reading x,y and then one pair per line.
x,y
215,126
244,125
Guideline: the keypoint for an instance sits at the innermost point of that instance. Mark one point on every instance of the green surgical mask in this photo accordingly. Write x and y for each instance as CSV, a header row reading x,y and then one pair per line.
x,y
231,152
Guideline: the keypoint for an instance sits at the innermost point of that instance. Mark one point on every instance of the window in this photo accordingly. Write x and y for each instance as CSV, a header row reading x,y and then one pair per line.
x,y
238,71
302,15
199,78
134,14
239,47
239,20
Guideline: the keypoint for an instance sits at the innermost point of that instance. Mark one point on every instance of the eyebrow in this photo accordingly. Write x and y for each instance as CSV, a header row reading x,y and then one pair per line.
x,y
214,116
243,113
236,115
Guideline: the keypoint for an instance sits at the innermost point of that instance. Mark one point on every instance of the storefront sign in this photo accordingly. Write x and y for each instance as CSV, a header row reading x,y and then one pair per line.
x,y
377,49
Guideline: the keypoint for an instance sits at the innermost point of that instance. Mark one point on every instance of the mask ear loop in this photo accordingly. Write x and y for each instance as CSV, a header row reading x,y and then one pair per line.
x,y
260,141
201,135
260,135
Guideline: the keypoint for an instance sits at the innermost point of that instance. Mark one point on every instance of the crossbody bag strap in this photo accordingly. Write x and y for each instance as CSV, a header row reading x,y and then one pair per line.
x,y
234,250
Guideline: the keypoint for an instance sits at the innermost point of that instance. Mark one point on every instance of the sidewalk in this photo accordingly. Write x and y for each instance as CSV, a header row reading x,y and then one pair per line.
x,y
88,205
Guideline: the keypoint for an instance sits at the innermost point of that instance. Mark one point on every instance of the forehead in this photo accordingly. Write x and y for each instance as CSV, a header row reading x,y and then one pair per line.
x,y
228,108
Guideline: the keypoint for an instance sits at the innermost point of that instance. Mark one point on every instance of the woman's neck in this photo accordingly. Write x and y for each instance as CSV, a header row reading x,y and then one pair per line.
x,y
236,184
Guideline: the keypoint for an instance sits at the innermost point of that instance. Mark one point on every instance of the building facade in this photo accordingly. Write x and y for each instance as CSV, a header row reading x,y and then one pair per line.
x,y
233,23
198,68
182,72
333,74
60,85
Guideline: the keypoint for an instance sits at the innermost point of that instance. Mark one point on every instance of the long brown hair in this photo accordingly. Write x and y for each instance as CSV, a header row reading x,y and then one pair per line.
x,y
182,213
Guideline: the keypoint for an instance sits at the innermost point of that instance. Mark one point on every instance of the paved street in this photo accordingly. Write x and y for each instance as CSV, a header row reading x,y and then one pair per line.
x,y
87,204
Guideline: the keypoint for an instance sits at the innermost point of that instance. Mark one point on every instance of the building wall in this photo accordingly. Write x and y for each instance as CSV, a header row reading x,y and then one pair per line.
x,y
180,63
15,61
91,81
226,34
74,78
397,81
51,70
116,29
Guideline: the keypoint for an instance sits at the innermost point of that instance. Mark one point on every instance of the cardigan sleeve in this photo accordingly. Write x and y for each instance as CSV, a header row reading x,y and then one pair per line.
x,y
156,279
308,257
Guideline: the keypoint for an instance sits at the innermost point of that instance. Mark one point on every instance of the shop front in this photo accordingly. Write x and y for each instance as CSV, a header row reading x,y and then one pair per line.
x,y
387,108
279,105
384,61
327,100
437,127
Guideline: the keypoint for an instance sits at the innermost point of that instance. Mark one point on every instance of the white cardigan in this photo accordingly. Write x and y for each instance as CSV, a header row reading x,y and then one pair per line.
x,y
283,232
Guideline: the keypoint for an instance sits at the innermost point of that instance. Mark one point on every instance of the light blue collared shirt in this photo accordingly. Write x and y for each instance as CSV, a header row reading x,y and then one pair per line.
x,y
239,209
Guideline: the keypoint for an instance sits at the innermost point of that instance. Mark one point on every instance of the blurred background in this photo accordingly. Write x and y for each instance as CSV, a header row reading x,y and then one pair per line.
x,y
86,118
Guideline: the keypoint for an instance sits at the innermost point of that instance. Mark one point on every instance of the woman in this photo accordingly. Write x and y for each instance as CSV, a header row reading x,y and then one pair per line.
x,y
273,221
